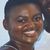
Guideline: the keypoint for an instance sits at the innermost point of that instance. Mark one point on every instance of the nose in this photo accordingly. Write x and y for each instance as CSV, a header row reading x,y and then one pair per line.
x,y
30,25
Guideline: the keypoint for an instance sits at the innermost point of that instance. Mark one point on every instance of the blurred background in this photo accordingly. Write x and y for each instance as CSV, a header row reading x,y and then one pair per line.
x,y
43,42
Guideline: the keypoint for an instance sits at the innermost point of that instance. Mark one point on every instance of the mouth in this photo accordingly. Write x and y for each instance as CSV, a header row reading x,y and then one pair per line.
x,y
30,33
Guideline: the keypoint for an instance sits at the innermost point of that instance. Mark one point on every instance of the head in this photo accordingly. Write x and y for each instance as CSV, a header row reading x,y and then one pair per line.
x,y
45,5
23,20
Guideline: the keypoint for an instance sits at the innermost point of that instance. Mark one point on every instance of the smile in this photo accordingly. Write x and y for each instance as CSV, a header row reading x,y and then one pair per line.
x,y
30,33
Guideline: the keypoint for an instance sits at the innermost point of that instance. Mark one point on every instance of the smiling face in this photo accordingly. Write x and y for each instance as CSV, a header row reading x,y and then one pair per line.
x,y
25,23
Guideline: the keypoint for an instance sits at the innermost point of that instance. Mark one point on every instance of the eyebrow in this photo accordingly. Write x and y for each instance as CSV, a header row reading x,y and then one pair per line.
x,y
38,14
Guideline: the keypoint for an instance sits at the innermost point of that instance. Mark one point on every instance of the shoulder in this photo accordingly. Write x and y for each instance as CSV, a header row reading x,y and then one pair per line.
x,y
7,47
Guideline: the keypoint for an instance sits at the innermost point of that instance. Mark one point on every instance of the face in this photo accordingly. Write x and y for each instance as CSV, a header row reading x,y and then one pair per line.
x,y
46,5
25,23
46,9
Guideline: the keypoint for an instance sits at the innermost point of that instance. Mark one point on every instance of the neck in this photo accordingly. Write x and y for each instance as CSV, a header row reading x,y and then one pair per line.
x,y
23,46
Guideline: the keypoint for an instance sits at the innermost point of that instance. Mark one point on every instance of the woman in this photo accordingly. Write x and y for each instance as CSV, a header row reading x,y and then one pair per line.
x,y
45,5
24,22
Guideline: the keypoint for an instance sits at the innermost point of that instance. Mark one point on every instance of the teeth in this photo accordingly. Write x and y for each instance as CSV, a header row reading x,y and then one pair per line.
x,y
29,32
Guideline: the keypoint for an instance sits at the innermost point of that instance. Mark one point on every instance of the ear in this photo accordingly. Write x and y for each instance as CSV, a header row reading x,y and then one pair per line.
x,y
5,24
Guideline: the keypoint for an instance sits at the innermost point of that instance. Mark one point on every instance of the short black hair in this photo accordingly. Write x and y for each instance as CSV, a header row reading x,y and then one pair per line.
x,y
12,3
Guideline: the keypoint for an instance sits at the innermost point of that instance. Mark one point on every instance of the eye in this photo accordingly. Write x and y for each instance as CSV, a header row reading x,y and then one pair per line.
x,y
37,18
21,19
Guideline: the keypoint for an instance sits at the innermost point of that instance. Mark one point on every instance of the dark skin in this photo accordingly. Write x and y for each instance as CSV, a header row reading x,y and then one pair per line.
x,y
24,25
45,5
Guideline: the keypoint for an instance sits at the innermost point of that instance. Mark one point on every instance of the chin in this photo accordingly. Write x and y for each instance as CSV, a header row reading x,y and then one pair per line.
x,y
30,40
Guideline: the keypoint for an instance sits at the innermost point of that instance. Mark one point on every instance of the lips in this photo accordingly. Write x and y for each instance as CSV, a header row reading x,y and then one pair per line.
x,y
30,33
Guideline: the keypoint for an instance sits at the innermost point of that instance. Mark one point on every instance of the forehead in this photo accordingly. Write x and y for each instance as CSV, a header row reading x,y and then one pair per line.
x,y
24,9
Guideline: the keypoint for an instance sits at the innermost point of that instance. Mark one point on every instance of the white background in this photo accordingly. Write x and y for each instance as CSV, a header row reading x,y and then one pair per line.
x,y
42,44
3,33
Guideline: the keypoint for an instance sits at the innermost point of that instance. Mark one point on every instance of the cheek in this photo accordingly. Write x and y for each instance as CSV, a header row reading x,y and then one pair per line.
x,y
40,25
15,30
16,27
